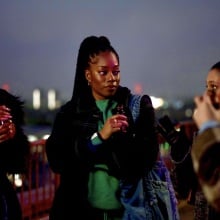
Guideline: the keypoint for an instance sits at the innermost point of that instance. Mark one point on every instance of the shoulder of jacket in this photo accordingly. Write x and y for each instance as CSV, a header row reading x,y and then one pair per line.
x,y
65,108
208,139
136,99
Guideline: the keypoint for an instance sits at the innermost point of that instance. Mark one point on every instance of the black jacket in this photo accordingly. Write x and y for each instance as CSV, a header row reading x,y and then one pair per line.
x,y
69,156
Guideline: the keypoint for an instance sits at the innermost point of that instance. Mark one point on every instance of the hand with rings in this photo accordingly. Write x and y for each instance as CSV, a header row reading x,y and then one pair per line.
x,y
7,130
4,113
119,122
7,127
114,124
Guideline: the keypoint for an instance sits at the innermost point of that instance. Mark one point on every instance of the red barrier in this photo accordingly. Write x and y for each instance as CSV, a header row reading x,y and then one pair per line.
x,y
38,185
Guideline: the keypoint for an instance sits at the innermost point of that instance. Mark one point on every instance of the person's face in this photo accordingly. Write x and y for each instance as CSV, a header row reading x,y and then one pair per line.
x,y
103,75
213,86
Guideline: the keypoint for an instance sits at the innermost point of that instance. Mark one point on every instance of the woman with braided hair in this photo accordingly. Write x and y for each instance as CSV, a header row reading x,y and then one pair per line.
x,y
101,129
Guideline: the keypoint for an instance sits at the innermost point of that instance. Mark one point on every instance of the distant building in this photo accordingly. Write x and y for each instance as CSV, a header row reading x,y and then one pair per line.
x,y
42,101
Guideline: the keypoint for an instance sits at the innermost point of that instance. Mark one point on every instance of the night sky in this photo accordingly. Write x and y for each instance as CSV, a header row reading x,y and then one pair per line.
x,y
165,47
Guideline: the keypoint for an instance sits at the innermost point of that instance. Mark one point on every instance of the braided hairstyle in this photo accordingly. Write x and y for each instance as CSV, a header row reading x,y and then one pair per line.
x,y
89,48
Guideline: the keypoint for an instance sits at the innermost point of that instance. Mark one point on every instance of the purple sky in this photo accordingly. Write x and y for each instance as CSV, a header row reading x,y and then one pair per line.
x,y
165,46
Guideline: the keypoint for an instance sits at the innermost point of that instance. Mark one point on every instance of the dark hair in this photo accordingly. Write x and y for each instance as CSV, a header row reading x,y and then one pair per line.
x,y
216,66
90,47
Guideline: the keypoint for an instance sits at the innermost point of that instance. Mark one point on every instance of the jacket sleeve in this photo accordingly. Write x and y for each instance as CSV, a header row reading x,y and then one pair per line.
x,y
145,133
206,162
146,128
60,144
14,153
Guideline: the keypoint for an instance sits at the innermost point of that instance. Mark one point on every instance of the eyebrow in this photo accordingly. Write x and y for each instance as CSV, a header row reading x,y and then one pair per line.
x,y
212,81
108,66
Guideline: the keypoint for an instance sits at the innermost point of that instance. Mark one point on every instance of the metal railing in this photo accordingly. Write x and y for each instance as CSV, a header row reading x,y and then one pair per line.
x,y
37,186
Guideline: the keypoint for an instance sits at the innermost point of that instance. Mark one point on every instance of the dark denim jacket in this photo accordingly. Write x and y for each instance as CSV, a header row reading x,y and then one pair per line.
x,y
152,197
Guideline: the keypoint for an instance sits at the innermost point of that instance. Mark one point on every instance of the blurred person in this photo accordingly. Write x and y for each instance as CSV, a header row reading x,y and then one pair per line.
x,y
187,186
14,149
101,128
204,152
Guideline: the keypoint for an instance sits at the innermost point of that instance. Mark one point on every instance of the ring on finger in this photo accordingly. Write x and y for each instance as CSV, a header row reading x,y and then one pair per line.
x,y
195,111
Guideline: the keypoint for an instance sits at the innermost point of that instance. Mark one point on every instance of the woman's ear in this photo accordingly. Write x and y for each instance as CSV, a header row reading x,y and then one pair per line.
x,y
88,75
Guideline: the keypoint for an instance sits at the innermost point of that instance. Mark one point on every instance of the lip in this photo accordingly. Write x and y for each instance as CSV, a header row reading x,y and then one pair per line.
x,y
111,87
